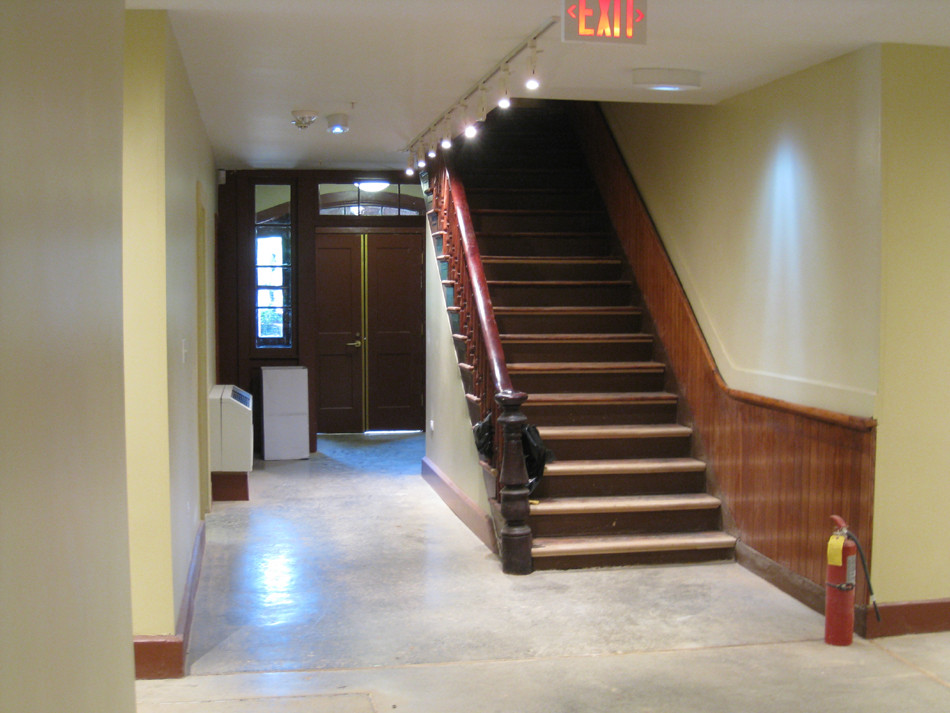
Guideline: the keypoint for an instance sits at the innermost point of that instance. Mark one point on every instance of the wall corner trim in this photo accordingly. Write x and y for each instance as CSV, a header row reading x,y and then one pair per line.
x,y
474,518
898,618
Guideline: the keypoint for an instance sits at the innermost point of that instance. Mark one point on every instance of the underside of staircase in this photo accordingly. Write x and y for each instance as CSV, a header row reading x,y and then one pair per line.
x,y
626,487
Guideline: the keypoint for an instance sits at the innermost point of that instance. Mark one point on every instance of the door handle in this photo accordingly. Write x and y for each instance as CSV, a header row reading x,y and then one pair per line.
x,y
357,343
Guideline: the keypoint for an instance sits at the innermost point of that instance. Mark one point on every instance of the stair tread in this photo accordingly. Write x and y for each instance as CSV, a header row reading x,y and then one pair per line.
x,y
544,338
630,466
568,309
537,211
551,260
586,366
559,283
625,503
603,397
658,430
608,544
543,233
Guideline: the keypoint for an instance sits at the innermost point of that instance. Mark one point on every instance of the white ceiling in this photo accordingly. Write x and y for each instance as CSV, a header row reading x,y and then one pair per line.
x,y
395,65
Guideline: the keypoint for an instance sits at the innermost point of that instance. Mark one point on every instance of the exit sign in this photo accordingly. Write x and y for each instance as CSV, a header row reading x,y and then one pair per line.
x,y
605,21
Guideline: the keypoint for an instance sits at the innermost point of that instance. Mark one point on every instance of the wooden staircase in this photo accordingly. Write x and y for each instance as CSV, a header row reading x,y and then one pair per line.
x,y
625,488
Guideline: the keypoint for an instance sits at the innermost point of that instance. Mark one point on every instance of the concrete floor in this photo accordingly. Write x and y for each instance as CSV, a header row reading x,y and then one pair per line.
x,y
347,586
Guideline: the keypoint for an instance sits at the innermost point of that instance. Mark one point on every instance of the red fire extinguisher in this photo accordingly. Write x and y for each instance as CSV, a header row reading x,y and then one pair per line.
x,y
839,594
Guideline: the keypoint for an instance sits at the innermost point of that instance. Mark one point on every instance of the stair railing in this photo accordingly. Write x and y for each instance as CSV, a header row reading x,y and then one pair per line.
x,y
482,357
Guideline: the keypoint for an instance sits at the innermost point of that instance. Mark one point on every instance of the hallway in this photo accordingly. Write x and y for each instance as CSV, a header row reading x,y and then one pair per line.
x,y
346,585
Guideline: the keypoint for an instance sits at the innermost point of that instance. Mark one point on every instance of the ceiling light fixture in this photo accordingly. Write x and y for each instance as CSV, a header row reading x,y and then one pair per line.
x,y
501,67
666,80
372,186
431,153
303,117
338,123
410,171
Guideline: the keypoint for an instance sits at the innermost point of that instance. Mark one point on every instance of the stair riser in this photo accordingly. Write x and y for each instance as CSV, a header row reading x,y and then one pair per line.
x,y
591,383
617,448
581,486
598,415
522,200
539,222
587,295
634,558
543,245
578,351
628,523
566,271
568,324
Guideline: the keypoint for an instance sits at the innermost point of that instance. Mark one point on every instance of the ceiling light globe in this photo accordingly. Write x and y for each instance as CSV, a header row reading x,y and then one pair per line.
x,y
470,131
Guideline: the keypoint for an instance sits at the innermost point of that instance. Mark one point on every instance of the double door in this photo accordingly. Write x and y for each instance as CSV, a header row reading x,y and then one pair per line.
x,y
370,373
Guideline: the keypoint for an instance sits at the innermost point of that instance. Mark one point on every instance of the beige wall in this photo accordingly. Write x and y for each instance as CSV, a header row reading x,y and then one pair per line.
x,y
167,156
912,492
769,206
65,621
449,441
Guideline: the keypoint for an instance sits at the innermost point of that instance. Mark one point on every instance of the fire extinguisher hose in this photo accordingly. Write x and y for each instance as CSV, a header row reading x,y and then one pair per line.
x,y
867,576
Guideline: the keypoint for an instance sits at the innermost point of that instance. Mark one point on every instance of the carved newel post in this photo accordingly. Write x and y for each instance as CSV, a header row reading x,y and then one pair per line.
x,y
515,543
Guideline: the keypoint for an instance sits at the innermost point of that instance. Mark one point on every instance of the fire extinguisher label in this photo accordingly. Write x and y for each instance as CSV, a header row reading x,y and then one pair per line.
x,y
852,569
835,547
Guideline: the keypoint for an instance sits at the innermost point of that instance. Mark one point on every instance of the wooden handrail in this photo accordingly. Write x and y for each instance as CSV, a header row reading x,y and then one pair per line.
x,y
494,391
483,304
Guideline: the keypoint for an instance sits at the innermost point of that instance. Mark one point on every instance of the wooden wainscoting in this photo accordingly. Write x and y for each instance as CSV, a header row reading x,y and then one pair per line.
x,y
781,469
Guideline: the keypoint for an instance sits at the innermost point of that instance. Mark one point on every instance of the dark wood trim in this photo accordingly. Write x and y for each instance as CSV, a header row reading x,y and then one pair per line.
x,y
164,656
898,618
804,590
228,485
461,504
781,469
159,657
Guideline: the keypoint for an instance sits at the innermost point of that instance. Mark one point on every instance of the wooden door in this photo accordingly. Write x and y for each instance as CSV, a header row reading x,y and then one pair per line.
x,y
394,319
339,333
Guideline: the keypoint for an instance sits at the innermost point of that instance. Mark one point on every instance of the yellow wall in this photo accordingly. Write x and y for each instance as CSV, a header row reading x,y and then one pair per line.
x,y
449,441
912,494
167,155
769,206
65,612
143,267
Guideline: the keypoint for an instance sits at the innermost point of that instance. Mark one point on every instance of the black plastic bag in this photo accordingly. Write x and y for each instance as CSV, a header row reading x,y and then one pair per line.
x,y
536,455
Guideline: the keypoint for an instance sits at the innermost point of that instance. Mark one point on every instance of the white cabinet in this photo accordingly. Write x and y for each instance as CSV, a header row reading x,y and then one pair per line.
x,y
286,415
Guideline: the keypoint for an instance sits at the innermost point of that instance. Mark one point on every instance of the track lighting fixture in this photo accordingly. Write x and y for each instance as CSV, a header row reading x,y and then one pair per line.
x,y
505,100
532,82
431,152
503,68
410,171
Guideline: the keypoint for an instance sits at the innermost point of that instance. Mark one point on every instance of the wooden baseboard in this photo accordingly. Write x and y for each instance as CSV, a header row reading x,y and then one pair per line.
x,y
226,485
809,593
159,657
897,618
461,504
164,656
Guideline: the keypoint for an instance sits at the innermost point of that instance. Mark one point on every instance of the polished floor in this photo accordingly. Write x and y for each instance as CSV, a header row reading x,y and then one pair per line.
x,y
345,585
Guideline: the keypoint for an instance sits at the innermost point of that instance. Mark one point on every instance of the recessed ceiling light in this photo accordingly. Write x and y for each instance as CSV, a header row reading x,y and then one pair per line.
x,y
668,80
